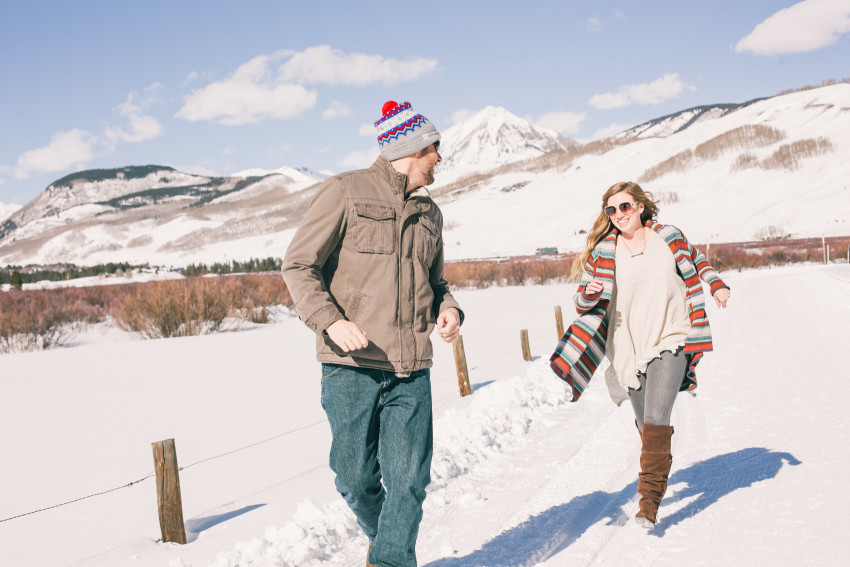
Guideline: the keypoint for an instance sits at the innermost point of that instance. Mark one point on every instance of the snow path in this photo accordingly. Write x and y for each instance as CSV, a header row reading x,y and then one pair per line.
x,y
520,476
565,493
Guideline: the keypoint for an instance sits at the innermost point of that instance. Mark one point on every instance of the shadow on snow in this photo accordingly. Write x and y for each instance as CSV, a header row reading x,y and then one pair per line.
x,y
195,526
557,528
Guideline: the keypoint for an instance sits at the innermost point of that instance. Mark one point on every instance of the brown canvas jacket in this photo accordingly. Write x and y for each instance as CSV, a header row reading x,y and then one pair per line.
x,y
365,253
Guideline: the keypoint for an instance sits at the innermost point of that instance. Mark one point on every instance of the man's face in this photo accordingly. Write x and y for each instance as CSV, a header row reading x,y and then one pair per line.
x,y
428,158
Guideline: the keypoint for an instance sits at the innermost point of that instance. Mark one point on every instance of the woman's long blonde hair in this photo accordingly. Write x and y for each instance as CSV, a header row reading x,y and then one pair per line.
x,y
602,226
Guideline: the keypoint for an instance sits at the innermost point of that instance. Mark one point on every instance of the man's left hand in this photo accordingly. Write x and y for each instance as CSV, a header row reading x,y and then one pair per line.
x,y
448,324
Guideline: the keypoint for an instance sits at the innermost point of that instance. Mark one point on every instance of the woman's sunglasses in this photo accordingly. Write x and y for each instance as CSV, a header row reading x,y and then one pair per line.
x,y
624,208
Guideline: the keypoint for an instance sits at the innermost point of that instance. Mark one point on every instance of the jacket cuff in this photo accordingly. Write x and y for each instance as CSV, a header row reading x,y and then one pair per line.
x,y
585,302
590,297
717,284
322,319
449,303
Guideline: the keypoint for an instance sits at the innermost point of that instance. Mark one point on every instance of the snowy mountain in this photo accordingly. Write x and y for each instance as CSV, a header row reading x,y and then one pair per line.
x,y
776,167
490,138
299,175
722,173
678,121
147,213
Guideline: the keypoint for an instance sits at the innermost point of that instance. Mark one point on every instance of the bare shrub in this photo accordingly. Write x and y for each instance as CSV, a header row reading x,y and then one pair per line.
x,y
543,271
789,156
732,258
771,232
745,161
41,319
514,271
195,306
261,292
825,83
747,136
666,197
178,308
678,162
757,254
474,274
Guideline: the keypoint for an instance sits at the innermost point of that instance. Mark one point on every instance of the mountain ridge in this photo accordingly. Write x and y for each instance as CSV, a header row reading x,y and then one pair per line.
x,y
179,218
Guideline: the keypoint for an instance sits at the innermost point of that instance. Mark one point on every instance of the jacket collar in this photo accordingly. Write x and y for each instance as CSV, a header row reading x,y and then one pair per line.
x,y
396,180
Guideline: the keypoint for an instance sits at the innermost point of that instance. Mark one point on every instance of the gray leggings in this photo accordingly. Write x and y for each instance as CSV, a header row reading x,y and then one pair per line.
x,y
653,400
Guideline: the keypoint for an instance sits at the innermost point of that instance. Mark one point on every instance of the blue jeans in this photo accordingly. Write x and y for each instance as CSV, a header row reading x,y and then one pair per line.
x,y
382,431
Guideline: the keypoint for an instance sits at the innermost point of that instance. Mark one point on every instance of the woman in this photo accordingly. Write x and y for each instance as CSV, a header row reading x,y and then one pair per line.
x,y
640,304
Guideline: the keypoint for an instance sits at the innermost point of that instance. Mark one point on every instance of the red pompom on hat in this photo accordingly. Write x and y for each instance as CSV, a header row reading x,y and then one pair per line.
x,y
403,131
388,107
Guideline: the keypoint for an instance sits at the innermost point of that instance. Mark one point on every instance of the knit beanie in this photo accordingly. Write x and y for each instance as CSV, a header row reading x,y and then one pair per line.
x,y
402,131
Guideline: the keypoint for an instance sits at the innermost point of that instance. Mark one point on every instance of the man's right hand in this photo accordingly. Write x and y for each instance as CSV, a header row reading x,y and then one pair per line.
x,y
347,335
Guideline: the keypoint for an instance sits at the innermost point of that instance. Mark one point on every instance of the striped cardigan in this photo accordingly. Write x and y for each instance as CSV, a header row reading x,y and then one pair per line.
x,y
583,346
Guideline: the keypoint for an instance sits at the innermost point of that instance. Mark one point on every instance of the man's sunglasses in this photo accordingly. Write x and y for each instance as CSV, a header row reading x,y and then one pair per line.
x,y
624,208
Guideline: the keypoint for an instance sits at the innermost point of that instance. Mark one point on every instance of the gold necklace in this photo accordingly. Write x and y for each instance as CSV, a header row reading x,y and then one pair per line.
x,y
639,252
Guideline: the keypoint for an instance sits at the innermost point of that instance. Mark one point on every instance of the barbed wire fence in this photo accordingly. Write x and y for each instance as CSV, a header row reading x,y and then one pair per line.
x,y
152,473
489,361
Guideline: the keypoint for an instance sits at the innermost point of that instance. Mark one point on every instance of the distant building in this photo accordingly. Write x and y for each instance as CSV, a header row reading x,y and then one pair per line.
x,y
546,250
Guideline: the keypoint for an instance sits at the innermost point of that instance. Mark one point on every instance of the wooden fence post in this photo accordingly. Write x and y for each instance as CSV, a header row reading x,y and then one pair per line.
x,y
169,501
460,364
526,350
559,322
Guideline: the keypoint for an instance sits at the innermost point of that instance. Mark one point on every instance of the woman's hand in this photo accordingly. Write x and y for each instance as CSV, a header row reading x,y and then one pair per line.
x,y
593,287
721,296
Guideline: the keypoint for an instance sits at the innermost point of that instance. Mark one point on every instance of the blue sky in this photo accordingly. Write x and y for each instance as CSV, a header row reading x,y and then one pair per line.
x,y
216,87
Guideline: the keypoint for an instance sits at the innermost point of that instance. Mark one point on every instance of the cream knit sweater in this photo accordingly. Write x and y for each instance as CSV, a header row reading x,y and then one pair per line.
x,y
649,311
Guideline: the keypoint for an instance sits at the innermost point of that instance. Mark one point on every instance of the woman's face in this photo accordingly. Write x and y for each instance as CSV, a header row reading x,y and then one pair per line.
x,y
627,221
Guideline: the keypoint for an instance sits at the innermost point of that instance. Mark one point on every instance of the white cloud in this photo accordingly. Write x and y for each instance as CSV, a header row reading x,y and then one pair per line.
x,y
141,127
805,26
461,115
324,65
367,130
283,148
593,25
272,86
667,87
357,160
566,123
335,110
248,96
190,77
66,150
619,14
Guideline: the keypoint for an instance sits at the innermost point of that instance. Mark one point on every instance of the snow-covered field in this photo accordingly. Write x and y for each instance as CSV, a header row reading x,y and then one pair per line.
x,y
521,477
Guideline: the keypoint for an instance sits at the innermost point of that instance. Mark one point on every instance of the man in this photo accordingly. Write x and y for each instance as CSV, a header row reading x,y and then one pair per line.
x,y
365,269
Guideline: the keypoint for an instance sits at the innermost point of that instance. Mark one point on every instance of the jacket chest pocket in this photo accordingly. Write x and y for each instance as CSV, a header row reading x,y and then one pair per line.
x,y
427,238
373,229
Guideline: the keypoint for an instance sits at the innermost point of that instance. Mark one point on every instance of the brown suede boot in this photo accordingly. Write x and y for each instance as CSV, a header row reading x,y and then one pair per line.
x,y
367,556
655,461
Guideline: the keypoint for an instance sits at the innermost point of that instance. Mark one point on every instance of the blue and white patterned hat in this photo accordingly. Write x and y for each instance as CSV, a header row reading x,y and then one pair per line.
x,y
402,131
